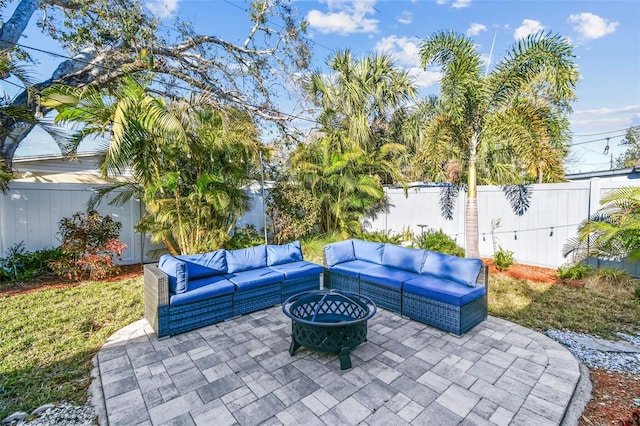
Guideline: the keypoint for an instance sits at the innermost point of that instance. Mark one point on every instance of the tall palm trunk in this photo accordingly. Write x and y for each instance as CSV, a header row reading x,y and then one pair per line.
x,y
471,214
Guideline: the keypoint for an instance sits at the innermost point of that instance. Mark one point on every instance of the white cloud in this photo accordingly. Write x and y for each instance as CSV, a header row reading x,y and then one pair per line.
x,y
406,51
459,4
604,111
405,17
424,78
476,29
403,49
528,27
591,26
344,17
162,8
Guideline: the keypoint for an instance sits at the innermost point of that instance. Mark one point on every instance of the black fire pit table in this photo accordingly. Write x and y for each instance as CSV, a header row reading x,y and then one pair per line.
x,y
329,321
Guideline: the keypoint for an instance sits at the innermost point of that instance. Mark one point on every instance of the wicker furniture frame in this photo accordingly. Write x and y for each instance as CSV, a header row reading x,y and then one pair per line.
x,y
245,301
385,296
337,281
454,319
167,319
299,285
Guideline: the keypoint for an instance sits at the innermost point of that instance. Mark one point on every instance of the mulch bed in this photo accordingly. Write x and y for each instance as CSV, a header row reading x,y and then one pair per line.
x,y
613,394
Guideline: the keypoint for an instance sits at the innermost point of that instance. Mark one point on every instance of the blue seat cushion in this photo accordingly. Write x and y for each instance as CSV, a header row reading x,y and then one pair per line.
x,y
202,289
254,278
391,277
176,271
205,264
298,269
398,257
339,252
353,267
446,291
247,258
462,270
286,253
368,251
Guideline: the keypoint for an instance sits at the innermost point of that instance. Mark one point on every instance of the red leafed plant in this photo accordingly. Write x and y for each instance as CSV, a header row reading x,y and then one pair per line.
x,y
90,245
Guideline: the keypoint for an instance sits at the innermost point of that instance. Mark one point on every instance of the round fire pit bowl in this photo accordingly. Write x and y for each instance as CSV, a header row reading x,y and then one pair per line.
x,y
328,321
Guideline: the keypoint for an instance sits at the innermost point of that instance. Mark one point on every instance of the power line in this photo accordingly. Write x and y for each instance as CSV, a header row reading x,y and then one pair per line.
x,y
605,133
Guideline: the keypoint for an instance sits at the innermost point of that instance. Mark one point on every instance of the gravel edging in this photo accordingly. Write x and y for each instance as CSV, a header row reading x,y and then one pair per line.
x,y
619,357
59,414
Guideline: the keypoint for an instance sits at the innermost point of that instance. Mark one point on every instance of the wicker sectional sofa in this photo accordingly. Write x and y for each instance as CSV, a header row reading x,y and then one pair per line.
x,y
443,291
182,293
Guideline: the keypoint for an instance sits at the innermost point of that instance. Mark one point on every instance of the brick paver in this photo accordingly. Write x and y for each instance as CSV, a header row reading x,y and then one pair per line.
x,y
240,372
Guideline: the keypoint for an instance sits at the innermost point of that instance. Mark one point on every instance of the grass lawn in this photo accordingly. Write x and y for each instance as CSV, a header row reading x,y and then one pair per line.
x,y
48,337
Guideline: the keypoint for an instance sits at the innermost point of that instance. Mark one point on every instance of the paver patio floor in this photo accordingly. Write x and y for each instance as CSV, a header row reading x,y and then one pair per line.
x,y
240,372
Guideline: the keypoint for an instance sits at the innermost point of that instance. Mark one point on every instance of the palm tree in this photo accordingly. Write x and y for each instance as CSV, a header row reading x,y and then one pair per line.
x,y
494,117
346,183
357,152
360,97
613,232
189,160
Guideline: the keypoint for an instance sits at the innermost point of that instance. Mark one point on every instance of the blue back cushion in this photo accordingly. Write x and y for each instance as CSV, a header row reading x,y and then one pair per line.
x,y
247,258
368,251
287,253
176,269
205,264
405,258
462,270
339,252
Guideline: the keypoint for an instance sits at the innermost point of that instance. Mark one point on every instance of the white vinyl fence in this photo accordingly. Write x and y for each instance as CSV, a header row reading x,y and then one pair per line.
x,y
30,212
536,237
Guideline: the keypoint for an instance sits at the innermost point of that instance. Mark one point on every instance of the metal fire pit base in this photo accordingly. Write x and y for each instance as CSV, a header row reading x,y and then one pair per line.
x,y
344,355
329,321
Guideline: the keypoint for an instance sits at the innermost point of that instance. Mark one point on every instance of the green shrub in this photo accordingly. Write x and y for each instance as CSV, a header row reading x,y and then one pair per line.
x,y
293,210
407,235
22,265
244,236
90,245
503,259
636,292
439,241
576,271
381,237
613,276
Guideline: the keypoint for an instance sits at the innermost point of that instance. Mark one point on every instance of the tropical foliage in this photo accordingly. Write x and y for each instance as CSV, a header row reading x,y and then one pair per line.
x,y
613,232
507,126
293,210
189,160
356,151
105,40
11,114
631,142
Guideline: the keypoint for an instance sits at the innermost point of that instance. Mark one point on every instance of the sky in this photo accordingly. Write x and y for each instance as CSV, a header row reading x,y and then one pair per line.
x,y
605,35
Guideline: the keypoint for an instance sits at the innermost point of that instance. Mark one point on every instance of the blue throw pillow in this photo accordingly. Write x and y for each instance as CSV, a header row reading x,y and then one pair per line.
x,y
405,258
368,251
287,253
339,252
176,269
247,258
462,270
205,264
